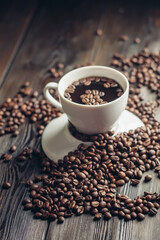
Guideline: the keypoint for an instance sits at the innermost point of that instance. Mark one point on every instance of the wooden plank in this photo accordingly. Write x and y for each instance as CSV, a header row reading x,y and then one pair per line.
x,y
15,17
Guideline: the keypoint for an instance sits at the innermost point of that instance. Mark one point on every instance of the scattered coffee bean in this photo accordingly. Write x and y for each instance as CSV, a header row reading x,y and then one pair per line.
x,y
148,178
60,219
123,38
140,216
97,216
137,40
7,157
135,182
28,206
153,211
13,148
6,185
107,216
99,32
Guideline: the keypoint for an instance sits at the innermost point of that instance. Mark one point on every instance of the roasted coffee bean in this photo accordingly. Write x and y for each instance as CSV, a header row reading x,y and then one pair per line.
x,y
13,148
95,204
60,219
120,182
26,200
97,216
127,217
103,210
133,215
81,175
7,157
152,211
99,32
145,210
6,185
107,216
135,182
137,40
140,216
29,183
28,206
150,205
34,186
156,205
37,215
122,174
121,214
148,178
123,38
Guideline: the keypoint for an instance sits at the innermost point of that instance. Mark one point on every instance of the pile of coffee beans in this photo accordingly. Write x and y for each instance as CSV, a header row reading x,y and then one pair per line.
x,y
57,70
25,105
93,91
86,180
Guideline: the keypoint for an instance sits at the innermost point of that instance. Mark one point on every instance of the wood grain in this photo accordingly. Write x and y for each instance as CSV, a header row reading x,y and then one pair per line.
x,y
15,17
63,33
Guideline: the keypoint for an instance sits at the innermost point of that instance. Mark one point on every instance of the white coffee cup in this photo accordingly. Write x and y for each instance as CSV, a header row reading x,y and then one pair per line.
x,y
90,119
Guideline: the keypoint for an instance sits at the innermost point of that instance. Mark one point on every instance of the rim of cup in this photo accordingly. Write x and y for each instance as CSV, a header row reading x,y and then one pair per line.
x,y
93,67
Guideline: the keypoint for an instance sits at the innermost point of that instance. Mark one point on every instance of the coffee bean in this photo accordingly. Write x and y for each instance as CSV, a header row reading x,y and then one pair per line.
x,y
140,216
60,219
120,182
127,217
107,216
145,210
6,185
13,148
97,216
102,204
121,174
121,214
150,205
148,178
29,183
123,38
152,211
34,186
137,40
26,200
138,209
103,210
7,157
37,215
156,205
135,182
133,215
81,175
95,204
60,65
99,32
28,206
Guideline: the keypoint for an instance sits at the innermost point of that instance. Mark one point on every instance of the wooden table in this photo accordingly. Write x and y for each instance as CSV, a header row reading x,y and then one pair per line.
x,y
33,37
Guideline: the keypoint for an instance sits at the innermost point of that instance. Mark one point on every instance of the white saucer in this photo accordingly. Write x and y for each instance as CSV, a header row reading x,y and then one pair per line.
x,y
57,140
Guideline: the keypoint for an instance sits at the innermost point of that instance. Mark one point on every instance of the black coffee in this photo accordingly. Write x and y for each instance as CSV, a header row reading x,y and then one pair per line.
x,y
93,91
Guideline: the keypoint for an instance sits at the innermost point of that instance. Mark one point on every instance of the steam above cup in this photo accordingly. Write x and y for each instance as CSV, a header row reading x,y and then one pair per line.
x,y
90,119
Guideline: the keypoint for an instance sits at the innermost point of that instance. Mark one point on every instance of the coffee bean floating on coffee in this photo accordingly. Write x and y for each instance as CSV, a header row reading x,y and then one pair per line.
x,y
93,91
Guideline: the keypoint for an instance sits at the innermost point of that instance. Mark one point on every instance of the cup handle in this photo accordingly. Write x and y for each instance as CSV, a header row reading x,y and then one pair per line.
x,y
48,96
